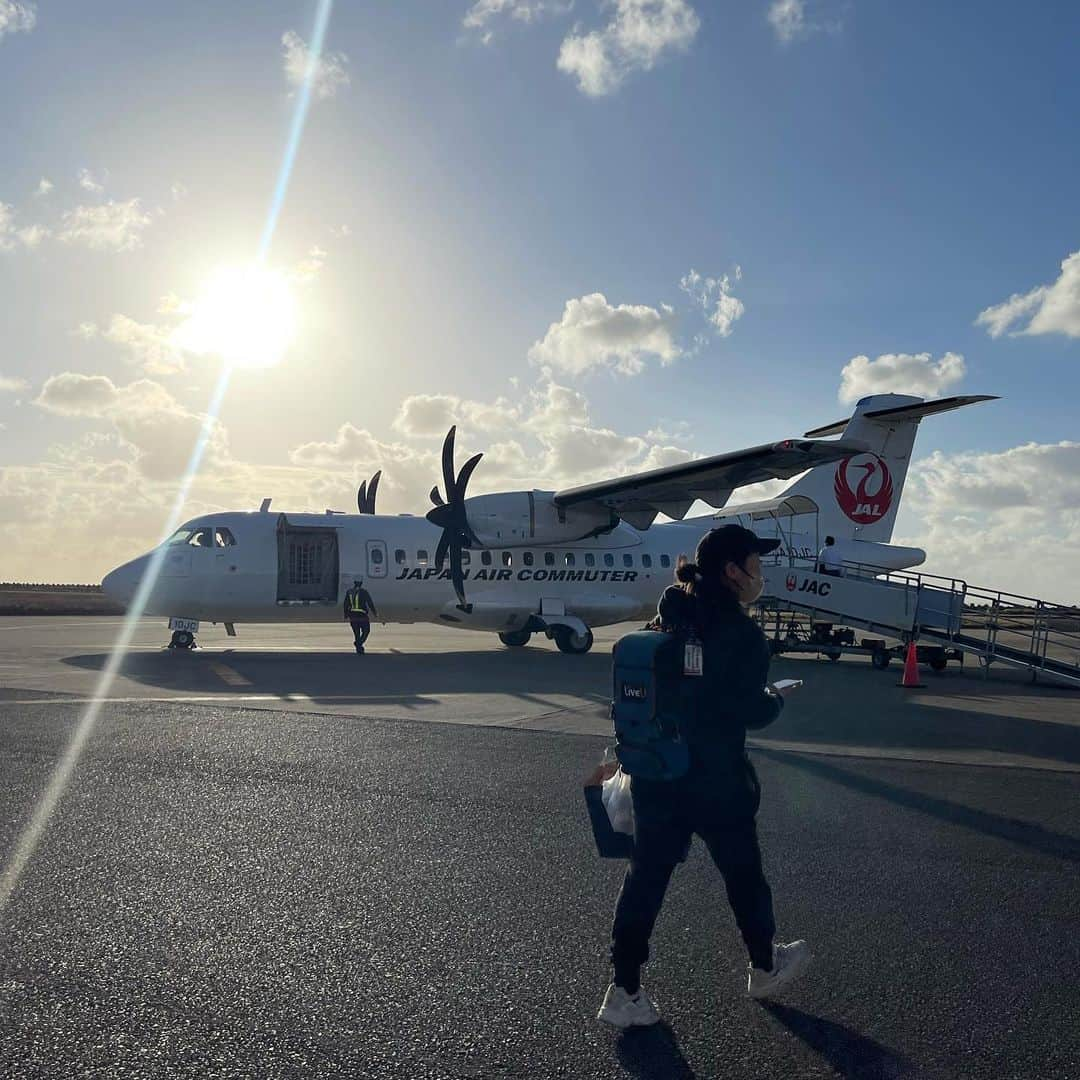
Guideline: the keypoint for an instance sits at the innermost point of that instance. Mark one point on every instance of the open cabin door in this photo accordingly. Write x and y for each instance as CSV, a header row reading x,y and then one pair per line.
x,y
307,563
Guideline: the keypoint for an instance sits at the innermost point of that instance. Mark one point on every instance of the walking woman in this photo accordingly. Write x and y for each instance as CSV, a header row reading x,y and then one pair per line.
x,y
718,798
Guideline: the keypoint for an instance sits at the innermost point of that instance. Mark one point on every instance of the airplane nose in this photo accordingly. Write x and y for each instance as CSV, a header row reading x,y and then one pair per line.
x,y
120,584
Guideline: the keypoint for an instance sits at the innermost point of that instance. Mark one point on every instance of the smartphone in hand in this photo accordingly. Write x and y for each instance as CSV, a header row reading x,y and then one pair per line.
x,y
786,684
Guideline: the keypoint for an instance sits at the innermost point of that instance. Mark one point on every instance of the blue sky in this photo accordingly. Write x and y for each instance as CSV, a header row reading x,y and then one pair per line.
x,y
869,177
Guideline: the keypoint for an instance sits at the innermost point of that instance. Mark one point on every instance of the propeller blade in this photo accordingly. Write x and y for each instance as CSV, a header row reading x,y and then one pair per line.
x,y
361,498
457,573
440,551
436,498
373,487
448,464
463,477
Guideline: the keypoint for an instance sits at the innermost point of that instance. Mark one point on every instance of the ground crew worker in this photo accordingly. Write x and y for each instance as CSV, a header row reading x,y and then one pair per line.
x,y
359,607
829,561
719,796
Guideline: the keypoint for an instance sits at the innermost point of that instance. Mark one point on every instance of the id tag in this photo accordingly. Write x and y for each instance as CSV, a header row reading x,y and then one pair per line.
x,y
692,658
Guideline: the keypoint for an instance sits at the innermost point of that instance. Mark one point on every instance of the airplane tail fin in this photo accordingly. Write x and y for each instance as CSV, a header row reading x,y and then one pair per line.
x,y
858,498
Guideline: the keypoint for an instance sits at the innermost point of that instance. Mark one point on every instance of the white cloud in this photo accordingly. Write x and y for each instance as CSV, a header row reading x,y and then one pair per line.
x,y
160,431
309,268
900,373
1054,308
88,182
32,235
715,293
44,186
10,236
113,226
10,384
429,415
788,19
1008,519
483,13
151,347
639,33
328,74
792,21
594,334
16,17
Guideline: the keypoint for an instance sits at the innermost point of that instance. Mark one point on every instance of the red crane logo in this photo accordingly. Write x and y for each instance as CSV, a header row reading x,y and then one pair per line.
x,y
863,505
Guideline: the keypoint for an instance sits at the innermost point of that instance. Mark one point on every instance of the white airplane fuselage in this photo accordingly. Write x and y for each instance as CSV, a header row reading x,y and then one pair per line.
x,y
602,580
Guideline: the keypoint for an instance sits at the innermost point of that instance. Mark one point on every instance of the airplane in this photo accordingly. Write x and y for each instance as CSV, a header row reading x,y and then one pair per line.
x,y
526,562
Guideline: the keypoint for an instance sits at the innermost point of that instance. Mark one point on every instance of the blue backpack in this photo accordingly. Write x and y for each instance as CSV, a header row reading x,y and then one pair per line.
x,y
655,695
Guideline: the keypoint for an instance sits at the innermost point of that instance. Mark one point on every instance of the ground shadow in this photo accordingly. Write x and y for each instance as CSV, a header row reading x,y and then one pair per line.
x,y
848,1052
1025,834
652,1053
413,680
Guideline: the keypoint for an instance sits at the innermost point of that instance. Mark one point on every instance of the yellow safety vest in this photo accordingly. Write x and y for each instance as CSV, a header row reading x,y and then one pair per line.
x,y
356,605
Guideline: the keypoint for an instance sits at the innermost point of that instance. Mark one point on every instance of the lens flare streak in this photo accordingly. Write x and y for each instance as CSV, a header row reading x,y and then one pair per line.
x,y
30,835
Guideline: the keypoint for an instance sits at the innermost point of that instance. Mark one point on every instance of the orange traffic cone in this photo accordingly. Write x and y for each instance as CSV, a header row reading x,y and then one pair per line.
x,y
910,680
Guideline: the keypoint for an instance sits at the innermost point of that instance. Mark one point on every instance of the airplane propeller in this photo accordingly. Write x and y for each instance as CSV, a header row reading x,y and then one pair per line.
x,y
449,515
365,496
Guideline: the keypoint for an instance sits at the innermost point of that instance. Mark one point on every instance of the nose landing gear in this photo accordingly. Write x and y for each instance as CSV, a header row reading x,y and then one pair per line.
x,y
182,639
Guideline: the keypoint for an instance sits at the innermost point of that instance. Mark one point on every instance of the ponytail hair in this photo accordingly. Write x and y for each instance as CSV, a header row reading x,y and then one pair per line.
x,y
688,573
711,595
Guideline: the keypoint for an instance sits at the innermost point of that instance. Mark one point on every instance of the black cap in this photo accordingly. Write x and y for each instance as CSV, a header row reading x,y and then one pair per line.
x,y
731,543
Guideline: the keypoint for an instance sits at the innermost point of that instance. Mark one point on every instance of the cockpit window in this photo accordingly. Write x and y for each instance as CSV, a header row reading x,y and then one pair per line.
x,y
202,538
181,536
224,538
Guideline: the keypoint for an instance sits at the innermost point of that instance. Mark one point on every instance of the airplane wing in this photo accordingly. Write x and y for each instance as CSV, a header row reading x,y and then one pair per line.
x,y
672,490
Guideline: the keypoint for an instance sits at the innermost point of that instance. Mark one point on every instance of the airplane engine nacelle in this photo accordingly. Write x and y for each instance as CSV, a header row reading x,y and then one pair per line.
x,y
518,518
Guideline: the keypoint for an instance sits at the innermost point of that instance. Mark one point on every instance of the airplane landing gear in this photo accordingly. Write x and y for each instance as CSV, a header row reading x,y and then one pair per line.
x,y
516,638
182,639
569,641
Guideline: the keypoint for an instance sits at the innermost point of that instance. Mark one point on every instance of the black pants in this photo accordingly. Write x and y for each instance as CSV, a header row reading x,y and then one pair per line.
x,y
666,817
360,628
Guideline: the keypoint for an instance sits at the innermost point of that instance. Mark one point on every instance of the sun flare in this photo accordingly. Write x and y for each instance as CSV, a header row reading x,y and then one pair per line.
x,y
246,315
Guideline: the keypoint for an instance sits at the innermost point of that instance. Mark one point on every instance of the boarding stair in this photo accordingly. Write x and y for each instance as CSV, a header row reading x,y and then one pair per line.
x,y
991,625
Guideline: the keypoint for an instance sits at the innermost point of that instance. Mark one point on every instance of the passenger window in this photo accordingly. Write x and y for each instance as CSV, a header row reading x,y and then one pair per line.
x,y
507,559
224,538
646,561
202,538
527,558
399,556
570,560
422,557
485,557
609,559
628,560
376,557
549,558
590,559
665,561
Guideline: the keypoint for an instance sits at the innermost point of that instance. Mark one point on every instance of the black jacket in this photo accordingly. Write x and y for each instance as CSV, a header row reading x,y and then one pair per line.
x,y
732,696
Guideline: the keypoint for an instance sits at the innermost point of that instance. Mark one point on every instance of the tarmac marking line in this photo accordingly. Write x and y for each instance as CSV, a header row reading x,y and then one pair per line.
x,y
228,674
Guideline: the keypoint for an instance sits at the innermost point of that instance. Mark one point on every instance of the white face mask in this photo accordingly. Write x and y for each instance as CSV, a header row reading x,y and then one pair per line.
x,y
753,587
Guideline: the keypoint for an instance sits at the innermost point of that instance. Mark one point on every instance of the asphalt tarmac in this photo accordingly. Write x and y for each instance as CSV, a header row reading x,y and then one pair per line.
x,y
279,861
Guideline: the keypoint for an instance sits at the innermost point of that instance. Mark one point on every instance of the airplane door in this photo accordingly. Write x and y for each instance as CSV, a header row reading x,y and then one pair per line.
x,y
376,559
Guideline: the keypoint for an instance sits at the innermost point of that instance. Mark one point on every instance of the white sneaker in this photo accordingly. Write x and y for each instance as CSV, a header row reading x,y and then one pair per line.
x,y
623,1010
788,961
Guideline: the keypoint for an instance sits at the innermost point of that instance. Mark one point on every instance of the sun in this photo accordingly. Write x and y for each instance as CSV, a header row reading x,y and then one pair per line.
x,y
244,314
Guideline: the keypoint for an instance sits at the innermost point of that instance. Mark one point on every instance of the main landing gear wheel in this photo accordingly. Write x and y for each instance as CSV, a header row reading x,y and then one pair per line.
x,y
182,639
938,663
570,642
516,638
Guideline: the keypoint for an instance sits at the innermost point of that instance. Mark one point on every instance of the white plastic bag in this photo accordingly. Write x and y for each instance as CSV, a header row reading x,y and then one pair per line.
x,y
618,803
